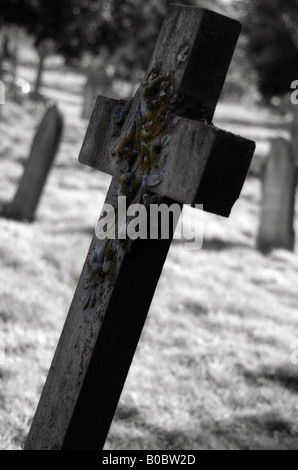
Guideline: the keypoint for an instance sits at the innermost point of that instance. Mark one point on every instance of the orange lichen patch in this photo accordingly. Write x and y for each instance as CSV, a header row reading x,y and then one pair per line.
x,y
126,149
144,157
111,260
119,117
102,265
143,145
129,185
151,127
157,92
110,252
116,132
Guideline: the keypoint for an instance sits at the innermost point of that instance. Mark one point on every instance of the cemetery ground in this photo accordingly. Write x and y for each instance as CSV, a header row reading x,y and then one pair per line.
x,y
214,367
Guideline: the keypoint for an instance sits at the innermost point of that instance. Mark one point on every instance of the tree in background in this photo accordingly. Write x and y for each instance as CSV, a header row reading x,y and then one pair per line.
x,y
135,25
124,31
73,27
65,27
130,30
272,45
37,18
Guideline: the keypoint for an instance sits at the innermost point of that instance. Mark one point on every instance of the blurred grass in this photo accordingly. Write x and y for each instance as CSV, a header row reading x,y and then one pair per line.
x,y
213,369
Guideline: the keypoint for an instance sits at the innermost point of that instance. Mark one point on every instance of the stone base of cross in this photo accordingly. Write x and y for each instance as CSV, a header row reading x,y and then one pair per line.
x,y
161,145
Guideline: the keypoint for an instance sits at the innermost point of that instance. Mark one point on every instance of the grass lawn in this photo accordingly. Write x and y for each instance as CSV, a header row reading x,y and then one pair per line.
x,y
213,369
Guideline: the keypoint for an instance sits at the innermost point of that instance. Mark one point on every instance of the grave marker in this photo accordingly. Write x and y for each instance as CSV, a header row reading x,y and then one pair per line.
x,y
294,134
279,189
159,145
37,168
98,82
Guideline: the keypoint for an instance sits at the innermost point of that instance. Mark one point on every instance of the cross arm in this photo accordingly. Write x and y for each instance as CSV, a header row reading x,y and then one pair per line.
x,y
95,152
205,165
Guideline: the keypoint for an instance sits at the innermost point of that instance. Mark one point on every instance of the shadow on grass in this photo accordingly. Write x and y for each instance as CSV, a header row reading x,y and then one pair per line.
x,y
217,244
268,431
66,229
195,307
256,432
5,374
284,376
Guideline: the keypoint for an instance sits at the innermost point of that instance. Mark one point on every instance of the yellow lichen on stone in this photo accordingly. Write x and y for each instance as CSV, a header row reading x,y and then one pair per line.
x,y
109,253
141,151
126,149
116,132
129,185
157,96
150,127
111,258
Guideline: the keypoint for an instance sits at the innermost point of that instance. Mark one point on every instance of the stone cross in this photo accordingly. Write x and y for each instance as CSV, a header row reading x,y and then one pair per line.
x,y
160,145
44,148
278,206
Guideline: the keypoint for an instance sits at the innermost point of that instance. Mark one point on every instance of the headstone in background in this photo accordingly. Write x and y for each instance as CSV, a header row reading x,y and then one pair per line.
x,y
294,134
2,93
279,188
98,83
180,158
44,149
3,75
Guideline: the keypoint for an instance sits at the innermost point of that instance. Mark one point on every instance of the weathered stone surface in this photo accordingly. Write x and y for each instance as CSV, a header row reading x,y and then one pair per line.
x,y
95,151
143,144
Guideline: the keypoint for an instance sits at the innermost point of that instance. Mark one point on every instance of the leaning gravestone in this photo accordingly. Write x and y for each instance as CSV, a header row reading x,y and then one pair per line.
x,y
44,149
159,146
2,94
279,188
294,134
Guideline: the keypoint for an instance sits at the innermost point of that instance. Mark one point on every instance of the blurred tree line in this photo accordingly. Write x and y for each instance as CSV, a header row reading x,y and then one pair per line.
x,y
271,28
127,30
74,27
